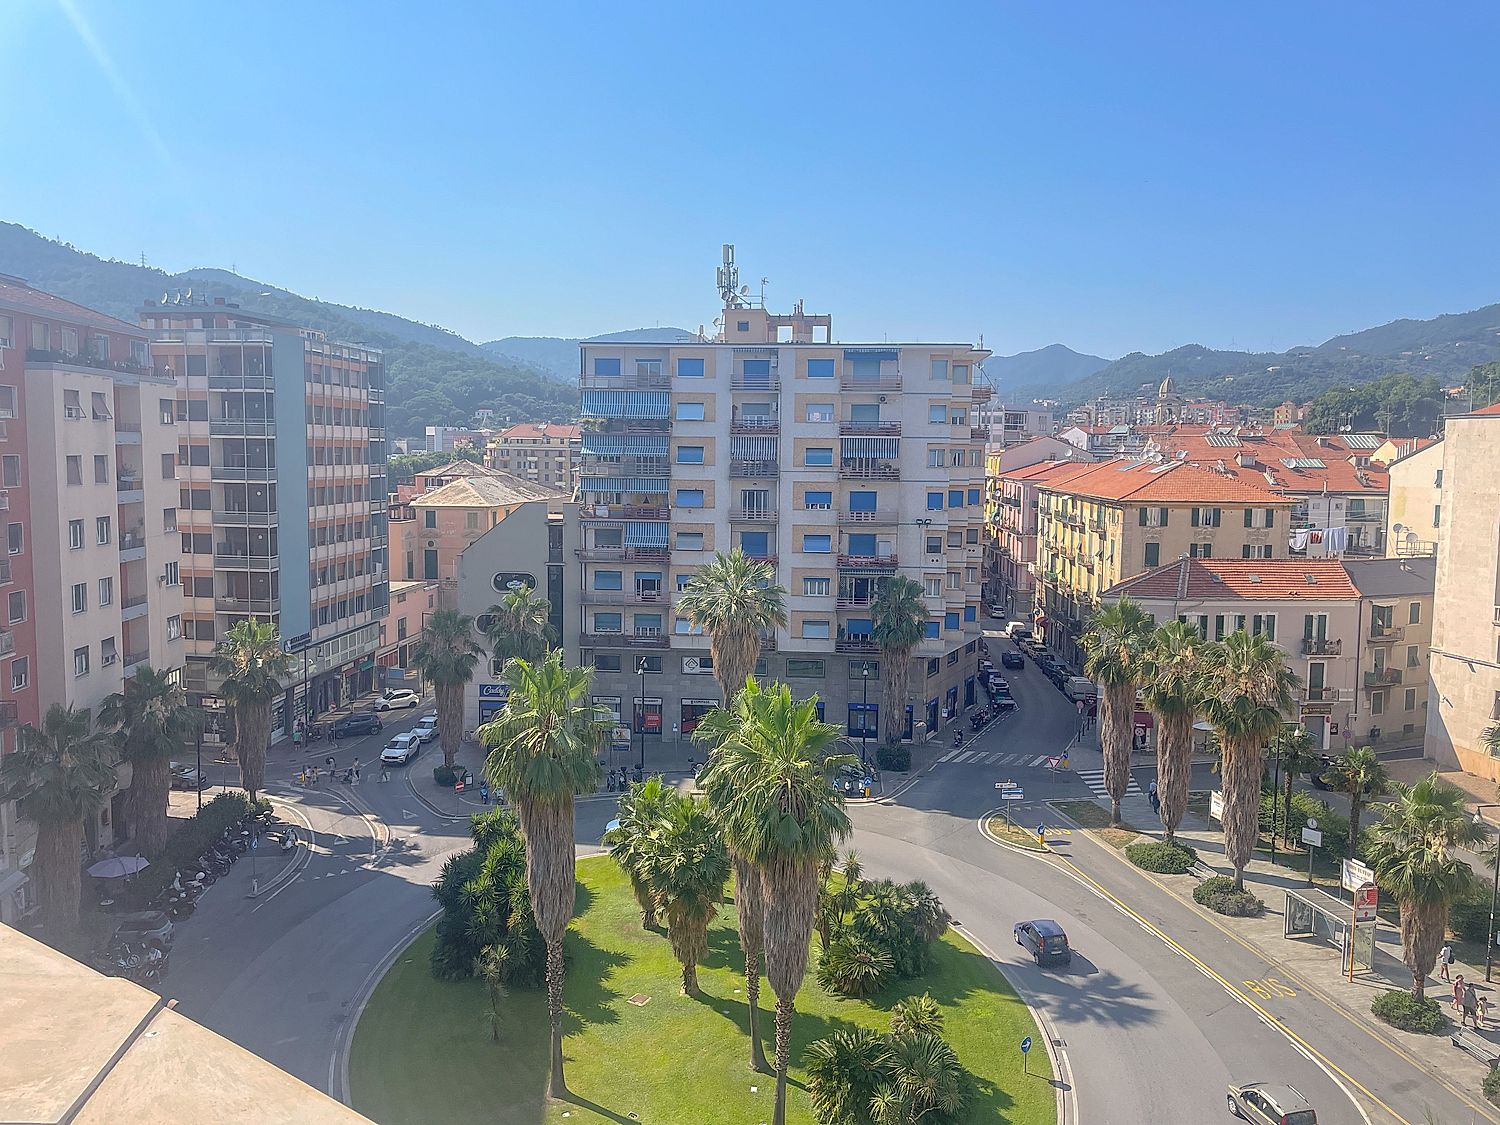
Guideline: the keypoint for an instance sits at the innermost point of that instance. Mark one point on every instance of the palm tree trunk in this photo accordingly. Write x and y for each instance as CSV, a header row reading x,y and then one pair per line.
x,y
646,901
1243,764
791,895
785,1007
58,844
1117,739
1174,768
752,999
551,877
750,908
252,732
895,668
557,1087
146,804
450,709
1286,811
1423,925
690,979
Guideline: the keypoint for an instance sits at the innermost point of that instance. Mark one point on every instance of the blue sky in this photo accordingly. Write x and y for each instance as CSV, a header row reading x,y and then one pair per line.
x,y
1111,176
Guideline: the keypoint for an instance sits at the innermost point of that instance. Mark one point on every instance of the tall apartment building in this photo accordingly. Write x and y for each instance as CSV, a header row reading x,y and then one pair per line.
x,y
281,452
840,464
545,453
90,579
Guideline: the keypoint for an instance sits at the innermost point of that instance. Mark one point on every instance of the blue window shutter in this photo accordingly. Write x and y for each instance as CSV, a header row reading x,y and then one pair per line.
x,y
820,369
862,501
973,497
930,630
690,368
862,545
955,498
950,621
606,366
934,501
971,613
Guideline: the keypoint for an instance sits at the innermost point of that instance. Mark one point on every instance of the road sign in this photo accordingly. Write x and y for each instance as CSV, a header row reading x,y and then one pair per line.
x,y
1312,837
1216,805
1025,1044
1355,875
1026,1054
1366,903
1012,794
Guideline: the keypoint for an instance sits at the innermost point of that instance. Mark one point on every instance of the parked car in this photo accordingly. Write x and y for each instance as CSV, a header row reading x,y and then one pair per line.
x,y
187,777
359,722
401,749
143,926
1044,940
398,698
1012,660
1005,701
1018,631
426,728
1268,1104
997,685
997,615
1080,687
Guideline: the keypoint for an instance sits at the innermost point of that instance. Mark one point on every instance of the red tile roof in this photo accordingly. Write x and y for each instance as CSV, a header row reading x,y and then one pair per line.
x,y
1222,448
1166,482
1257,579
17,294
1493,408
530,431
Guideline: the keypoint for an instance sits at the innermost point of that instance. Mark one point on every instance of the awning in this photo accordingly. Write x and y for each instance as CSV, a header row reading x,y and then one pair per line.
x,y
870,353
884,448
645,534
625,404
625,445
625,484
761,448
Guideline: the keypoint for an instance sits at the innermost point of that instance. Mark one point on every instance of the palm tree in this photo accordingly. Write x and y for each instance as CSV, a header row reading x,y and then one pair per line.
x,y
898,622
735,599
255,669
1413,861
1115,656
1299,758
518,626
769,786
1172,686
543,749
1358,774
631,843
151,721
447,655
1490,738
687,868
1247,689
61,774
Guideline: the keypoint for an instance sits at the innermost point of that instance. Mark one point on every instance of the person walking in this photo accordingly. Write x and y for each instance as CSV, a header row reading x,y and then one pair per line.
x,y
1471,1007
356,771
1445,960
484,791
1151,792
1484,1011
1458,992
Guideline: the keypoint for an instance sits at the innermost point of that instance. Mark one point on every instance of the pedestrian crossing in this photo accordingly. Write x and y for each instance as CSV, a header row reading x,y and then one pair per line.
x,y
993,758
1094,779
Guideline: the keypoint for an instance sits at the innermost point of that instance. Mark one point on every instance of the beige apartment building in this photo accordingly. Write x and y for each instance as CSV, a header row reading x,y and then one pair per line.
x,y
840,464
1414,513
447,519
543,453
1465,683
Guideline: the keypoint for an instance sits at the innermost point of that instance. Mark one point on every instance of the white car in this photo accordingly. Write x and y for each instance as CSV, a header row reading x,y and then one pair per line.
x,y
426,728
392,700
401,749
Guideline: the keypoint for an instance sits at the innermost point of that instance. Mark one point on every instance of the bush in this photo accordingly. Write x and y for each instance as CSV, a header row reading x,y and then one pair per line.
x,y
1402,1010
1218,893
1335,828
444,775
1492,1085
855,968
915,1072
1161,857
486,905
897,758
1470,918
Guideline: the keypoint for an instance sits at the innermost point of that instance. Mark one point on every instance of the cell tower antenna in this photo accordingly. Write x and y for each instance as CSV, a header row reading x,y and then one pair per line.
x,y
729,280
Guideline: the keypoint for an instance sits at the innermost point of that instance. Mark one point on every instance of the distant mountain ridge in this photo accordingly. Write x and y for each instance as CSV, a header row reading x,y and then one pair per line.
x,y
558,356
1044,370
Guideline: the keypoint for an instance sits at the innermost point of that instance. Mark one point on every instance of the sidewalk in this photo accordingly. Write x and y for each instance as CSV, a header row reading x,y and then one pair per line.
x,y
1313,964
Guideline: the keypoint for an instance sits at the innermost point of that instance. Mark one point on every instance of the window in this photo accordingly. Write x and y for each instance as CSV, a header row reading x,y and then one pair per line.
x,y
934,544
689,498
683,627
606,366
862,501
1205,517
100,405
10,471
932,587
15,534
1255,551
820,369
690,454
81,661
817,587
934,501
1152,517
1201,550
959,417
168,466
973,497
960,372
609,580
937,413
1411,656
686,368
7,332
817,501
1263,625
1411,699
429,518
817,544
757,368
815,630
820,412
690,540
1437,515
937,458
931,628
950,621
955,498
940,370
742,326
166,411
1377,703
106,591
690,411
1153,554
75,535
1414,614
75,469
101,530
174,627
818,455
80,597
107,652
20,669
607,662
169,574
611,622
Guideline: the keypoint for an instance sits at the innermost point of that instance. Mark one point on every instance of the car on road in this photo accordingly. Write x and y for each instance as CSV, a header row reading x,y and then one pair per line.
x,y
398,698
426,728
187,777
1045,940
1018,631
359,722
1080,688
997,615
143,926
1267,1103
1012,660
401,749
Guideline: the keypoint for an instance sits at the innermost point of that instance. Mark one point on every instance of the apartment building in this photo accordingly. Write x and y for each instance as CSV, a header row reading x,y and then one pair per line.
x,y
839,464
1011,425
91,574
411,602
1099,524
447,519
445,439
281,454
1010,517
1414,510
543,453
1465,666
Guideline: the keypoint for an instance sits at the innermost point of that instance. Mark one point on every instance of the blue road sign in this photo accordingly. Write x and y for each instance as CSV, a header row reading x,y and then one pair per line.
x,y
254,842
1026,1045
1041,829
1016,794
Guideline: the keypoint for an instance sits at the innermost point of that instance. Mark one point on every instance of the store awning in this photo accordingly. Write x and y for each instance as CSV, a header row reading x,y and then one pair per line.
x,y
883,448
642,534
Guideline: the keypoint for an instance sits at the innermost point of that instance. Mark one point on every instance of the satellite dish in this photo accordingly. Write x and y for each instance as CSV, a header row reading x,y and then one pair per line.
x,y
744,289
1398,528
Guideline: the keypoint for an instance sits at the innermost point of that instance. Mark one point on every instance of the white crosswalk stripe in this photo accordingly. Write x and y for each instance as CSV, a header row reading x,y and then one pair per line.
x,y
993,758
1094,779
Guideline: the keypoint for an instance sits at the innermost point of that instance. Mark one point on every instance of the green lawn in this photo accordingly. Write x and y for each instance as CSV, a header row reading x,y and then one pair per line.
x,y
423,1053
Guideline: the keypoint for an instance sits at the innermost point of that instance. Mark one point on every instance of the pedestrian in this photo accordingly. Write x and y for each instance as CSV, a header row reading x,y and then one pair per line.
x,y
1155,797
356,771
1445,960
1458,992
301,777
1471,1006
1484,1011
385,774
484,791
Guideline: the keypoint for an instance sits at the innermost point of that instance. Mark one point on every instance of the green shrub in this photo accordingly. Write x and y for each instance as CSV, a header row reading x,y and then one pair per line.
x,y
1335,828
444,775
903,919
1161,857
486,904
1218,893
910,1074
1402,1010
897,758
1469,918
1492,1085
855,968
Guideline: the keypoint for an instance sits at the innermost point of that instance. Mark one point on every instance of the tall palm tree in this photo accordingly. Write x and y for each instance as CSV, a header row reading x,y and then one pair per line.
x,y
1172,687
735,599
633,840
518,626
543,748
1413,861
150,721
769,786
1247,690
898,619
254,669
1490,738
447,655
1115,656
61,773
1360,775
686,869
1299,758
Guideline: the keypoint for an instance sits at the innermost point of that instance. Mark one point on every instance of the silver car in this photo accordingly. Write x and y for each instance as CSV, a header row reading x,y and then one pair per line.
x,y
1267,1103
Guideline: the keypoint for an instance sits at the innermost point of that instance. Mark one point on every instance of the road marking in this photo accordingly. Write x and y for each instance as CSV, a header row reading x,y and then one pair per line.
x,y
1094,779
950,754
1269,988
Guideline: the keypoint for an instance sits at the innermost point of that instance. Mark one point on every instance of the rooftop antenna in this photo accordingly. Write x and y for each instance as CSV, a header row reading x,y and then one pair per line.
x,y
729,280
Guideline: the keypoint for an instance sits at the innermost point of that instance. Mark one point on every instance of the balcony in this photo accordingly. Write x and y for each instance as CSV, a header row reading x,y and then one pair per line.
x,y
235,558
868,519
755,382
132,544
623,554
133,607
755,425
1386,634
230,603
128,488
752,515
623,640
244,472
233,517
628,381
624,597
1383,677
1363,517
241,427
630,466
882,470
848,381
753,470
855,601
45,356
982,392
1322,646
861,645
133,659
624,512
870,429
127,433
769,560
867,562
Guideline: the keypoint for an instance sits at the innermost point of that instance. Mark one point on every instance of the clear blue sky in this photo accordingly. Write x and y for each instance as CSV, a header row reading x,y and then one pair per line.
x,y
1112,176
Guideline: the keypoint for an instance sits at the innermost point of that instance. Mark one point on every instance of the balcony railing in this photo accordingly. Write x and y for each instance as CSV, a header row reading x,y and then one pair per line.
x,y
867,562
855,601
231,604
624,512
132,540
244,472
979,433
85,359
855,644
629,380
624,597
752,515
982,392
746,470
848,381
755,425
1322,646
237,559
869,471
623,640
625,554
768,559
1363,517
590,464
240,427
871,429
876,519
1384,677
134,658
1387,634
755,382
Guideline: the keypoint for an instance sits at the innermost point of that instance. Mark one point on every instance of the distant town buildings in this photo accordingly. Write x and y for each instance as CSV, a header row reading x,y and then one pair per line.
x,y
444,439
543,453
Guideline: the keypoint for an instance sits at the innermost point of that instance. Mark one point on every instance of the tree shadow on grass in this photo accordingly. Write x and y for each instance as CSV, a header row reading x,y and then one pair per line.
x,y
587,997
807,1027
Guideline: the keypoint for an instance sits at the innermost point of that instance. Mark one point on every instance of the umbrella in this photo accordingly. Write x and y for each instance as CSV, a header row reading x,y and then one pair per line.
x,y
611,826
116,867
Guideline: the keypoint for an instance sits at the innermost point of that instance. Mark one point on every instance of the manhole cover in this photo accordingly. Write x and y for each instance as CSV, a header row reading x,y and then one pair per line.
x,y
639,999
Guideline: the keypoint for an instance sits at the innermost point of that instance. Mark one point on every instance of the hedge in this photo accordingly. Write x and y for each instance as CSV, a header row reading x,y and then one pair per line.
x,y
1161,857
1335,828
1469,918
897,758
1402,1010
1218,893
1492,1085
444,775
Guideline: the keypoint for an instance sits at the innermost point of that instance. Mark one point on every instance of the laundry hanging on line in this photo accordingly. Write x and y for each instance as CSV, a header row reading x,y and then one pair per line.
x,y
1334,540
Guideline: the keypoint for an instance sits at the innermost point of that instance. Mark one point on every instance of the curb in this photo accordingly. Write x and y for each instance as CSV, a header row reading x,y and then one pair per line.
x,y
300,859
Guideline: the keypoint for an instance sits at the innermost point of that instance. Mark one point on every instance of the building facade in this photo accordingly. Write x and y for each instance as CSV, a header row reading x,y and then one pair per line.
x,y
545,453
411,602
281,448
1414,512
840,465
449,518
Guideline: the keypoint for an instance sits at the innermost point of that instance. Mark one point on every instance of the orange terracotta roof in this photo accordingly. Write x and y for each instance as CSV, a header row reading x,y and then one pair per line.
x,y
1493,408
1049,469
1255,579
17,294
530,431
1221,448
1164,482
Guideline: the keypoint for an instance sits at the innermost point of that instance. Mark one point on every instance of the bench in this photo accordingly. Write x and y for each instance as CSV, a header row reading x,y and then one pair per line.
x,y
1201,870
1477,1046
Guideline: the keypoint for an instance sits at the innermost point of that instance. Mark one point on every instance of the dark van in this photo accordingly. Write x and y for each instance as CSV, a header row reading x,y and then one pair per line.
x,y
1045,941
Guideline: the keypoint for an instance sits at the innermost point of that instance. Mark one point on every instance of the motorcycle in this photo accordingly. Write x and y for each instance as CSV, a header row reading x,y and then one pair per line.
x,y
958,739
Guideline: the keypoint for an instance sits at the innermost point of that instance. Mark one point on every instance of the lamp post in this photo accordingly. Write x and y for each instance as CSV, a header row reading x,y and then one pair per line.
x,y
1489,937
640,668
198,780
864,712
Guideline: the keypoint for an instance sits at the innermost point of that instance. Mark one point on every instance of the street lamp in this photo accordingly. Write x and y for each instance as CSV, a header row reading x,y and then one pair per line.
x,y
641,670
864,712
1489,937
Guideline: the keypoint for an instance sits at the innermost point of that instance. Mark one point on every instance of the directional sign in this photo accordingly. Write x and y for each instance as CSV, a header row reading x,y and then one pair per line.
x,y
1012,794
1313,837
1355,875
1026,1045
1216,805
